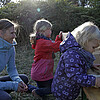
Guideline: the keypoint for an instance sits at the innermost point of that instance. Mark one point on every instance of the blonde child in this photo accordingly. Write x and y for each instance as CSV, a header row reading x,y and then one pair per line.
x,y
71,73
42,67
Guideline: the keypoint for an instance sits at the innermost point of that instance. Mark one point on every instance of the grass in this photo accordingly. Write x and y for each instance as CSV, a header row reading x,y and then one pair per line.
x,y
24,60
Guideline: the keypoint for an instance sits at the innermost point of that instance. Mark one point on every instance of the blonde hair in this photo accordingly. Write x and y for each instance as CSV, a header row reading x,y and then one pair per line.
x,y
39,27
86,32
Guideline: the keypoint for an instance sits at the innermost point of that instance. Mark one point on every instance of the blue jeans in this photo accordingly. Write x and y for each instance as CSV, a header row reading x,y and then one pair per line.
x,y
4,94
43,87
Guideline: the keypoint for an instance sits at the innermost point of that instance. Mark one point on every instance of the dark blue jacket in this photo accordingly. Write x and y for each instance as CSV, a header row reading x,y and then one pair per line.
x,y
71,72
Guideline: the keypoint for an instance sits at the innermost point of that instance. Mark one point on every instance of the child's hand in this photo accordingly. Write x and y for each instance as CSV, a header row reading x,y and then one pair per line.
x,y
32,38
60,34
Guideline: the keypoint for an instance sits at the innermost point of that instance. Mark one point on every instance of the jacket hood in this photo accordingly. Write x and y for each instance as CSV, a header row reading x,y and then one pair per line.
x,y
4,45
69,42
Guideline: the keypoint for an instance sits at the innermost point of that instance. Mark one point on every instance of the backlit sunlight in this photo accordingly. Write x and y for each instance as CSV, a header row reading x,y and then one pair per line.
x,y
23,0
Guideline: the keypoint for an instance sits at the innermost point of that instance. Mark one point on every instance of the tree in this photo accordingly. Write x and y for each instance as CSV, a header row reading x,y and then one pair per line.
x,y
89,3
4,2
94,3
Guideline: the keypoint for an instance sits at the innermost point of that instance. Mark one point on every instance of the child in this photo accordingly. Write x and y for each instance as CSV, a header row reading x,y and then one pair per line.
x,y
71,73
42,68
12,81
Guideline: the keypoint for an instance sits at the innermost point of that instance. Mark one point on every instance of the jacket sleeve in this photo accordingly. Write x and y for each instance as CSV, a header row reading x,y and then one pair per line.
x,y
9,85
76,71
12,71
58,39
33,46
48,45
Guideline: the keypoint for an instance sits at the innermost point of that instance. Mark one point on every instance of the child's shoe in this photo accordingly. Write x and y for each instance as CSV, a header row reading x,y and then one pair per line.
x,y
30,88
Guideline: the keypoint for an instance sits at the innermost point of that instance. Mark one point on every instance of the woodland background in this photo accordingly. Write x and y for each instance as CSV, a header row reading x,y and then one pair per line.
x,y
65,15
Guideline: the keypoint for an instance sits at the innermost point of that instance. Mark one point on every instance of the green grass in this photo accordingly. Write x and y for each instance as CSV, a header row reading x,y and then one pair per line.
x,y
24,60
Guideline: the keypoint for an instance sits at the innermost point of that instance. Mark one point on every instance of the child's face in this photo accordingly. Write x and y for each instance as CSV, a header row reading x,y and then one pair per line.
x,y
47,33
92,45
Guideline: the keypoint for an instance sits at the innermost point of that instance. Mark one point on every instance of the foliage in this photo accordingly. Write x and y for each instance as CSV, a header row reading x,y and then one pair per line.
x,y
94,3
65,15
4,2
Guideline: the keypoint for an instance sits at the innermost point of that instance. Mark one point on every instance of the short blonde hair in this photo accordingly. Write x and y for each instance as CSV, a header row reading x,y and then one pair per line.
x,y
41,25
86,32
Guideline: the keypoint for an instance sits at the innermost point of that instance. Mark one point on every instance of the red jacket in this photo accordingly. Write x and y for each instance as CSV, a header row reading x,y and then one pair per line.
x,y
42,68
44,48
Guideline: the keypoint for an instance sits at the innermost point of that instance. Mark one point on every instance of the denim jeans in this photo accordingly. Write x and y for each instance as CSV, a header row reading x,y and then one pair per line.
x,y
4,94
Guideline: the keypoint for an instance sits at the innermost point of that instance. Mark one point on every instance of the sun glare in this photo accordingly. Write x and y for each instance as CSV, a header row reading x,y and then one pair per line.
x,y
20,0
14,0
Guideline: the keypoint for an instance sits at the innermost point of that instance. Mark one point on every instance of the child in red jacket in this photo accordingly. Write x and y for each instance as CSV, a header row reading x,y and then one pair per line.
x,y
42,68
